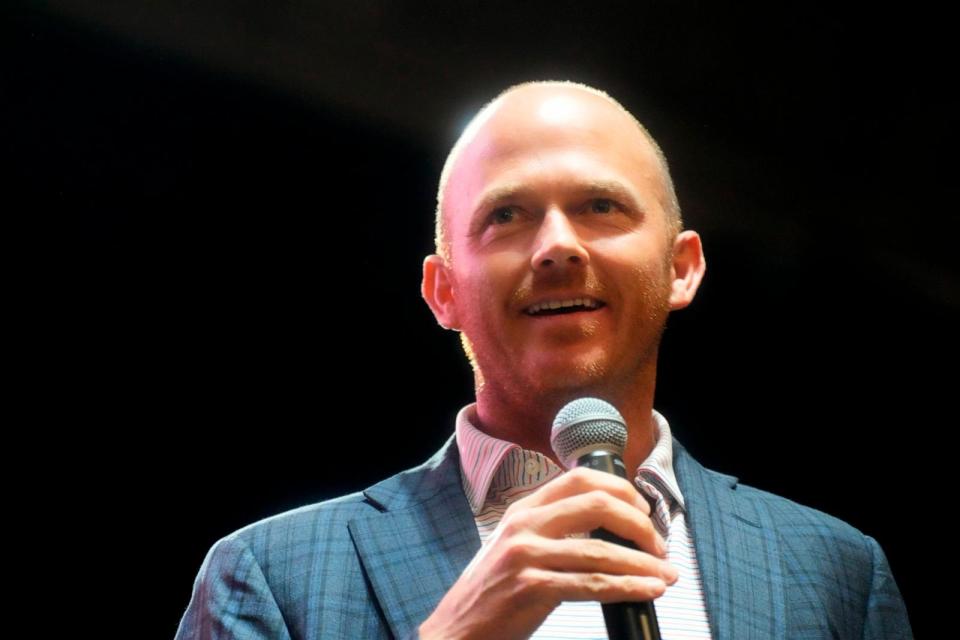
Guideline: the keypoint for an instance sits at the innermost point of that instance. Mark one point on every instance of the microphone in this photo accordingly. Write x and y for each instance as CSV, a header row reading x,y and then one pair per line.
x,y
589,432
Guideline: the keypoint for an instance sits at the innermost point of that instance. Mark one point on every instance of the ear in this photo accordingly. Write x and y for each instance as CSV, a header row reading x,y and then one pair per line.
x,y
437,291
688,268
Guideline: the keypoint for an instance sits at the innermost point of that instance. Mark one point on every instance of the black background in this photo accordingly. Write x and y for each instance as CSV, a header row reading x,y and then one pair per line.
x,y
232,203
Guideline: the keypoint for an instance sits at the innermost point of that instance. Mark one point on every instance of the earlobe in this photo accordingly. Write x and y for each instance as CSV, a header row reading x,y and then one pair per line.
x,y
689,265
437,290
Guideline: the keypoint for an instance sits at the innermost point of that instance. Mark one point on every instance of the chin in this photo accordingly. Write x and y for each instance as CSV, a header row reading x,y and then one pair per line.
x,y
570,377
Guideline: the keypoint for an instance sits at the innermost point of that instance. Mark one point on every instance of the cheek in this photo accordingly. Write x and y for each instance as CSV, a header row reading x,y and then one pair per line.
x,y
478,300
489,283
652,287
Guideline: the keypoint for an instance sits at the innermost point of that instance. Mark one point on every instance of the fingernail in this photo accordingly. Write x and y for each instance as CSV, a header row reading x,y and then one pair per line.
x,y
670,573
658,585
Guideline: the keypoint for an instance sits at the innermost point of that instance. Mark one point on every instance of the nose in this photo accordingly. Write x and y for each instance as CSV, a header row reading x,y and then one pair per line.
x,y
557,244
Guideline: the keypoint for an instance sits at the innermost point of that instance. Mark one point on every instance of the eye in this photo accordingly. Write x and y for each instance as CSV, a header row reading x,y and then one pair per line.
x,y
502,215
602,205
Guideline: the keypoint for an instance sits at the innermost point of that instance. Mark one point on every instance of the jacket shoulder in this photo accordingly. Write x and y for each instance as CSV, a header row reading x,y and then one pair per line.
x,y
326,521
793,518
760,507
294,574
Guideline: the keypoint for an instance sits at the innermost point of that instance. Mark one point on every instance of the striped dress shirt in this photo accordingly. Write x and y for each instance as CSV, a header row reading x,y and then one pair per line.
x,y
496,473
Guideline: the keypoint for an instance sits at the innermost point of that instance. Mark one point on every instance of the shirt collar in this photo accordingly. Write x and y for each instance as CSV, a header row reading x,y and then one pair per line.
x,y
488,463
659,464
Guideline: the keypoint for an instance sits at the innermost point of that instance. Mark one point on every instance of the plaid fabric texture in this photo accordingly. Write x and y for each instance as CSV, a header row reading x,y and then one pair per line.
x,y
375,564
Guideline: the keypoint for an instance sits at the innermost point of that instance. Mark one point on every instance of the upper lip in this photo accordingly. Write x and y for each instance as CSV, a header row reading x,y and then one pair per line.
x,y
560,298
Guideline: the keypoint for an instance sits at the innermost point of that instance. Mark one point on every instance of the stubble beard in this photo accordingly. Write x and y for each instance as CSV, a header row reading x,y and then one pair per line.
x,y
592,377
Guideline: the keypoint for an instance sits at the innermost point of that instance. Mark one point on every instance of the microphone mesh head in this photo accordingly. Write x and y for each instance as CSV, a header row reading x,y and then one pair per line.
x,y
585,425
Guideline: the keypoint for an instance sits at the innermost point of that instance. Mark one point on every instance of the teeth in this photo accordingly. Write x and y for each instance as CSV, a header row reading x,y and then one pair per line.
x,y
560,304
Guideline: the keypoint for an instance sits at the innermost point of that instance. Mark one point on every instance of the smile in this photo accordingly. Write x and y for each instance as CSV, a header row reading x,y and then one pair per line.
x,y
550,307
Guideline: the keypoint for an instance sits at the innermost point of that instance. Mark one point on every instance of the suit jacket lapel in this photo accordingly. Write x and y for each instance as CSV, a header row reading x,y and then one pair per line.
x,y
737,552
417,546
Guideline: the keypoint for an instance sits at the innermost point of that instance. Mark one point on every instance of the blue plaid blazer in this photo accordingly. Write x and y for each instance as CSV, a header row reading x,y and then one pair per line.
x,y
375,564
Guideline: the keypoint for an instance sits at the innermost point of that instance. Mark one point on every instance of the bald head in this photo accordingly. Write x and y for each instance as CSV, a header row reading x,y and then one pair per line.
x,y
526,105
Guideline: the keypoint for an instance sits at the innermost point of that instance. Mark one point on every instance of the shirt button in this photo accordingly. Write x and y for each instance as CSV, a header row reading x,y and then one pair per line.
x,y
532,466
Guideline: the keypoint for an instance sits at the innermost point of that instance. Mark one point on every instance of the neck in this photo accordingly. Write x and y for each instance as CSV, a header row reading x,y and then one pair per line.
x,y
527,420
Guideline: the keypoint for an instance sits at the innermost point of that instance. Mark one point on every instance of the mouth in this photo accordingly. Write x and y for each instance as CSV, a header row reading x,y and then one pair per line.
x,y
559,307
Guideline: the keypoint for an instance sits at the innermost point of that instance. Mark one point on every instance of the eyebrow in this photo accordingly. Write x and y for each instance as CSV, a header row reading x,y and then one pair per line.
x,y
616,190
613,189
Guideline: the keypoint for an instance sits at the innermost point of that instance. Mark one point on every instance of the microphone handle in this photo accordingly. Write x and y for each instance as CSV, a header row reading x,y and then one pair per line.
x,y
624,620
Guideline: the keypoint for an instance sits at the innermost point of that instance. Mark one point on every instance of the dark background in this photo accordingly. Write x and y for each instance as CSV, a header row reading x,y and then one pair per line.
x,y
233,201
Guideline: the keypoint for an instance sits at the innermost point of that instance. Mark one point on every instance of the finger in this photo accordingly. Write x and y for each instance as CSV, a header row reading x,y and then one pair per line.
x,y
597,509
588,555
583,480
562,586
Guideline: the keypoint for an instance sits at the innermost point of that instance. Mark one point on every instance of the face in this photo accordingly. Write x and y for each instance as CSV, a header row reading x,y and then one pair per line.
x,y
561,264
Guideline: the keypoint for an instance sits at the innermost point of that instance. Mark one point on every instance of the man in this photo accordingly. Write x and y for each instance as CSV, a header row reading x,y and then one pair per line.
x,y
560,253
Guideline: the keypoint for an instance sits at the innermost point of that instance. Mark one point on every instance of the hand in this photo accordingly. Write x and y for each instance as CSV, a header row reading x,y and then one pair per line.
x,y
529,566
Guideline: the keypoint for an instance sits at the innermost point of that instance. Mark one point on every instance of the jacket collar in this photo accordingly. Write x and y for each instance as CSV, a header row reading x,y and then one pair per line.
x,y
418,542
738,553
423,535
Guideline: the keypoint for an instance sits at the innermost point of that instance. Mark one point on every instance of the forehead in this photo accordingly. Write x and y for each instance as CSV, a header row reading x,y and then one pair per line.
x,y
562,133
